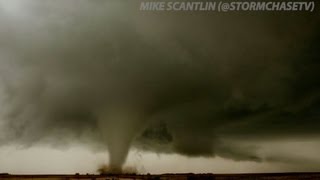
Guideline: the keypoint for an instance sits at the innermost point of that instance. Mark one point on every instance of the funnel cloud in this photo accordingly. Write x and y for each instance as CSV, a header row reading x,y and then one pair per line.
x,y
111,77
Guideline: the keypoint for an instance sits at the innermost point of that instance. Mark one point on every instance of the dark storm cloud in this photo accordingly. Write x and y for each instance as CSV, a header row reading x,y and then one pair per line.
x,y
104,73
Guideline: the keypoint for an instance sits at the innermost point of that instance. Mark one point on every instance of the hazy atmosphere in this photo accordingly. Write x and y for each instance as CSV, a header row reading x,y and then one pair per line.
x,y
85,83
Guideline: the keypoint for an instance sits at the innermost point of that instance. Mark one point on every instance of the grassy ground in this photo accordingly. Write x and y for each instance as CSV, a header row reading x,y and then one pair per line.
x,y
266,176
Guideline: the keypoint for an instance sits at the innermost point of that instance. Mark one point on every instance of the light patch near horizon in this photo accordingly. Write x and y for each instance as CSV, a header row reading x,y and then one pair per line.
x,y
290,156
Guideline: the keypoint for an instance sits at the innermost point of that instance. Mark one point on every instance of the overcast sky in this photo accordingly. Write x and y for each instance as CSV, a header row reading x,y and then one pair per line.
x,y
100,82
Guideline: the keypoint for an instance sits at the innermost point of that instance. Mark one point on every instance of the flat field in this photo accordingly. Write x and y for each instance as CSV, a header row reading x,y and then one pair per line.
x,y
190,176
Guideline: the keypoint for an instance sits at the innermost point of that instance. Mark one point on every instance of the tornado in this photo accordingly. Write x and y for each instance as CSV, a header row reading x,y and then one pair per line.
x,y
119,125
97,73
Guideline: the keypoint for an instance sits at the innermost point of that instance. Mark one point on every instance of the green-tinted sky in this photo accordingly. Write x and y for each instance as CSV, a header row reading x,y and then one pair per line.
x,y
240,86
